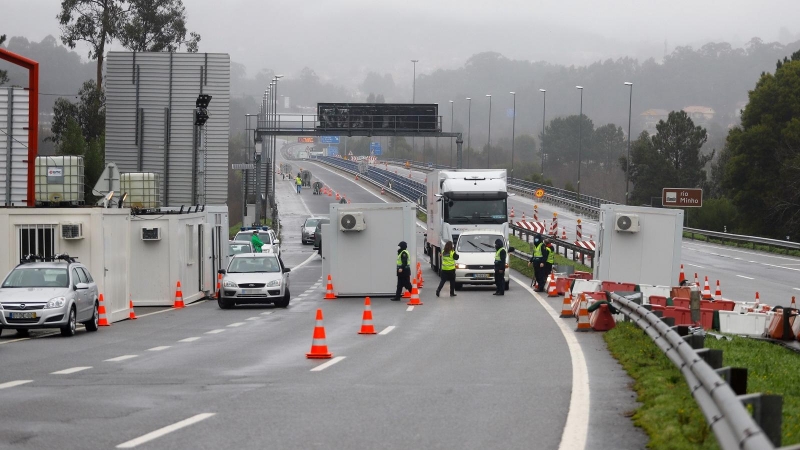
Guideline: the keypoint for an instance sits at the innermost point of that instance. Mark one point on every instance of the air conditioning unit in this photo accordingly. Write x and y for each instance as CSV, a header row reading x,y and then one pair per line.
x,y
71,231
351,221
151,234
627,222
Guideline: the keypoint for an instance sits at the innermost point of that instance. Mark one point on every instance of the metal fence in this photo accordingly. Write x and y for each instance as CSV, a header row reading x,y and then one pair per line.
x,y
568,249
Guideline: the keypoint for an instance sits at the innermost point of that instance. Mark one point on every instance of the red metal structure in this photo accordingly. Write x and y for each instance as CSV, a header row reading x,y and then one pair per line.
x,y
33,114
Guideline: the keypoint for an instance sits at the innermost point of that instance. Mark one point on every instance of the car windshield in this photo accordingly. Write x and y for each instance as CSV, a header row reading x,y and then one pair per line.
x,y
476,243
248,236
29,277
254,264
476,211
240,248
311,223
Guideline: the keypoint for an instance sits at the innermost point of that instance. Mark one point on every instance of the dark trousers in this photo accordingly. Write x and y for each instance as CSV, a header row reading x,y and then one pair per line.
x,y
403,281
499,280
448,275
541,276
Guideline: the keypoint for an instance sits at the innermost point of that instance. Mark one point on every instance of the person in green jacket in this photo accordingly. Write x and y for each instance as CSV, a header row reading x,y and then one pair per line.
x,y
256,241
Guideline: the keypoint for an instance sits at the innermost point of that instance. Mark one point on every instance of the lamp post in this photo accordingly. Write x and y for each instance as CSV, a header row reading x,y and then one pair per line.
x,y
451,130
414,100
628,158
469,126
513,131
274,140
580,140
489,144
544,112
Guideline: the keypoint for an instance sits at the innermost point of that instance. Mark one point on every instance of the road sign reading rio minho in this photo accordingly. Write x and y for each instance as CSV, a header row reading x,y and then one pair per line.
x,y
682,198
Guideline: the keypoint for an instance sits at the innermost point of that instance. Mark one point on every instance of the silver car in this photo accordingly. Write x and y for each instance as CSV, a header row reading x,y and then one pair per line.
x,y
308,229
57,294
254,278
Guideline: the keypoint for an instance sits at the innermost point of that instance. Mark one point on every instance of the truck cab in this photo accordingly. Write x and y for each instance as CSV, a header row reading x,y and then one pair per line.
x,y
476,252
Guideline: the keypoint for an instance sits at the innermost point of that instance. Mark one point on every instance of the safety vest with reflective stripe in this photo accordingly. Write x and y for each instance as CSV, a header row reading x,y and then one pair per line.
x,y
497,254
551,257
448,263
400,258
537,251
298,181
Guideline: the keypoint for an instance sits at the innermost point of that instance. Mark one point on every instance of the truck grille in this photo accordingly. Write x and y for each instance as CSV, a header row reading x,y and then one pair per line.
x,y
480,266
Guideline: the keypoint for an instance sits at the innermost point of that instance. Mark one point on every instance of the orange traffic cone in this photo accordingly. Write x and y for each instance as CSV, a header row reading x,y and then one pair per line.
x,y
131,315
338,197
383,192
583,315
552,290
601,319
366,321
718,292
319,349
329,295
178,296
563,233
707,291
682,277
330,193
511,214
409,174
758,300
566,306
523,216
414,294
219,284
696,282
101,311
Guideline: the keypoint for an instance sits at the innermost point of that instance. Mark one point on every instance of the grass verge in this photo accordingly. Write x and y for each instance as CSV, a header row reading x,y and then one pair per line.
x,y
669,413
560,260
729,243
422,216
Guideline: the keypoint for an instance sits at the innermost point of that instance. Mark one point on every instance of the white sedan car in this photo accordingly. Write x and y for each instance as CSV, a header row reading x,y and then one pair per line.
x,y
268,237
254,278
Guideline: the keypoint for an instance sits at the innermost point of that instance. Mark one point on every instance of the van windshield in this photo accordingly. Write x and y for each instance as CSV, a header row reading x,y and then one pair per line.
x,y
476,243
475,211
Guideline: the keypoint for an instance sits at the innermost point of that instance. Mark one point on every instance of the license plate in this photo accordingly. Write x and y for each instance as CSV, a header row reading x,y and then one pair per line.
x,y
482,275
246,291
23,315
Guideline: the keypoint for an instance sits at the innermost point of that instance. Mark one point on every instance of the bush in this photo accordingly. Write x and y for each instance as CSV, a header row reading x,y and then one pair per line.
x,y
715,215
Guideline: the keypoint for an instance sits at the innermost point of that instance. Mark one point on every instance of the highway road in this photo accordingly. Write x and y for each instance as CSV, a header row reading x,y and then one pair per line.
x,y
472,372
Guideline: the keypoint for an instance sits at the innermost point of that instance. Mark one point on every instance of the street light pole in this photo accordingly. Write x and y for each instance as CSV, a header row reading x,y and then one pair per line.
x,y
544,112
580,140
628,158
469,126
513,130
414,100
451,130
489,145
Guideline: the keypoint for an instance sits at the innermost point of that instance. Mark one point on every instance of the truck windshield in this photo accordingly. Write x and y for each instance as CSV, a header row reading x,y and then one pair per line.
x,y
476,243
475,211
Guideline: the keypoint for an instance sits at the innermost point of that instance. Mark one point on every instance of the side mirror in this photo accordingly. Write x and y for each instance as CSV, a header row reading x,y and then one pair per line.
x,y
81,286
286,270
221,271
511,250
277,241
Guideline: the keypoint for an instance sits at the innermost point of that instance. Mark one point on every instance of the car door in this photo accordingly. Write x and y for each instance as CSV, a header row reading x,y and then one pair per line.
x,y
92,293
80,294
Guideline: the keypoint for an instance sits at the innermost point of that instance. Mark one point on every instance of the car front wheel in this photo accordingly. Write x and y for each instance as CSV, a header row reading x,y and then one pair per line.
x,y
224,303
69,329
92,324
284,302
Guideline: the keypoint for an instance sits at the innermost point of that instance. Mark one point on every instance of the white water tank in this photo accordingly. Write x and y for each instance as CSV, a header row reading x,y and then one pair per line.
x,y
142,189
59,180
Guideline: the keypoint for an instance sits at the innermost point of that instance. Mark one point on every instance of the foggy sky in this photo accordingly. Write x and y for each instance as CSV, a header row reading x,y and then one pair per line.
x,y
342,40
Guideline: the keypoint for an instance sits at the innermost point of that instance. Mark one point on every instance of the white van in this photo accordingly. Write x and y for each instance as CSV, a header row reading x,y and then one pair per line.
x,y
475,264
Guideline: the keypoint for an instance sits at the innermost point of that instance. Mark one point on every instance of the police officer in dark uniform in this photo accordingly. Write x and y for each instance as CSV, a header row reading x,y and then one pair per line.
x,y
403,270
499,267
539,260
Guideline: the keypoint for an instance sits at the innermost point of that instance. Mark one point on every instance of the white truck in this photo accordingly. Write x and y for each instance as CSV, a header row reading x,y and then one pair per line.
x,y
466,200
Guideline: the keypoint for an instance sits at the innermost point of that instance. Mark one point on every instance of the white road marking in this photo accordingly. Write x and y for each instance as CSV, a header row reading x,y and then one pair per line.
x,y
410,308
253,318
166,430
159,348
266,313
170,309
387,330
217,331
313,255
237,324
316,286
695,265
191,339
742,276
327,364
71,370
121,358
16,383
576,429
303,295
15,340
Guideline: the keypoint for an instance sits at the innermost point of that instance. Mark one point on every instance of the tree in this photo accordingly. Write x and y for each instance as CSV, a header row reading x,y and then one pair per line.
x,y
72,142
89,114
3,73
157,26
561,139
609,142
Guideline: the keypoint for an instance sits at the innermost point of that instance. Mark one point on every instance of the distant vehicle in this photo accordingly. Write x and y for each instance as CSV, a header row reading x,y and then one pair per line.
x,y
59,293
267,236
307,229
239,247
254,278
302,154
476,252
318,234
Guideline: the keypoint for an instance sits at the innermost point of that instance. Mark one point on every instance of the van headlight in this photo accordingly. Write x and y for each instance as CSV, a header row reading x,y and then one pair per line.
x,y
229,284
461,266
56,302
274,283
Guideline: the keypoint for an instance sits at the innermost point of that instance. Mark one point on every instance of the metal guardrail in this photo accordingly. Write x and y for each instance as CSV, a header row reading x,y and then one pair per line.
x,y
723,408
742,238
559,245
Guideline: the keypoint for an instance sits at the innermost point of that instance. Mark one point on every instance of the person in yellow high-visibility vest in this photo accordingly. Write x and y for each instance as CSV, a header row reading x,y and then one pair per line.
x,y
449,258
299,182
403,270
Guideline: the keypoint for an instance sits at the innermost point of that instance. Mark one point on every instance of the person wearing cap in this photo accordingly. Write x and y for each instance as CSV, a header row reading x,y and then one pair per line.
x,y
541,255
499,267
256,241
403,270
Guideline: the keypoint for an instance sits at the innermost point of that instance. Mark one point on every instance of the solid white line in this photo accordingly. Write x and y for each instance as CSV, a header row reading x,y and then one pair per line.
x,y
410,308
742,276
71,370
191,339
237,324
121,358
170,309
253,318
387,330
327,364
695,265
166,430
158,349
266,313
313,255
576,429
11,384
15,340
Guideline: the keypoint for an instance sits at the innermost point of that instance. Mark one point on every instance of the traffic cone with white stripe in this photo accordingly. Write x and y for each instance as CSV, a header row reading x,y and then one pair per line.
x,y
682,277
707,291
523,216
583,315
696,282
552,291
101,311
563,233
511,214
566,306
178,296
420,281
329,295
535,213
319,349
219,284
366,320
718,292
414,294
131,315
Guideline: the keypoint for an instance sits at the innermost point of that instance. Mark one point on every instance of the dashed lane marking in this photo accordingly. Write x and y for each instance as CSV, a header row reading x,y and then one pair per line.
x,y
694,265
266,313
15,340
166,430
328,364
410,308
190,339
217,331
746,278
304,294
237,324
253,318
387,330
71,370
159,348
16,383
121,358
